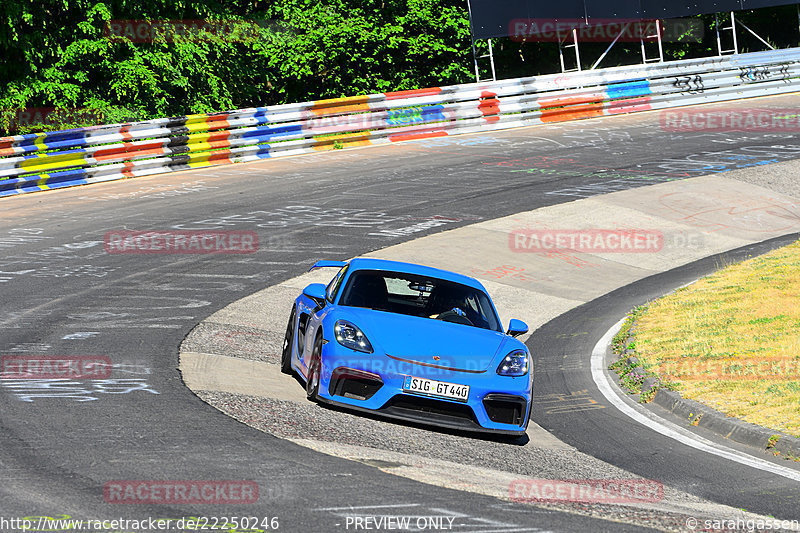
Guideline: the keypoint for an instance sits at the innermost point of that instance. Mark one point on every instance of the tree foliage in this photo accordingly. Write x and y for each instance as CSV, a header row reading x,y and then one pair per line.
x,y
60,54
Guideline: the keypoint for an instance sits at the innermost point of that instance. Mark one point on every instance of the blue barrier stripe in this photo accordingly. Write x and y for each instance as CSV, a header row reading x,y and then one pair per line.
x,y
11,183
267,132
414,115
64,175
80,137
629,89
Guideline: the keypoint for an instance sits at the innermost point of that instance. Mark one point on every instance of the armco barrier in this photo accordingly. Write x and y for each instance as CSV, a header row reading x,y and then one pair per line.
x,y
41,161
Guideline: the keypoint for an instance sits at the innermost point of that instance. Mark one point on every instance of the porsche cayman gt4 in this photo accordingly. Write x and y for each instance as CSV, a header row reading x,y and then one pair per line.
x,y
410,342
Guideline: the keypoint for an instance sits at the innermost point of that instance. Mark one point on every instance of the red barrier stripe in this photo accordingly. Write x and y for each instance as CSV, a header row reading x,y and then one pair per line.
x,y
560,101
150,148
489,106
629,106
413,93
128,170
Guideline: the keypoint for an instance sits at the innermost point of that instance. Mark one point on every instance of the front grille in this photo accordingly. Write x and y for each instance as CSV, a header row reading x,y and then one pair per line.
x,y
505,408
430,410
355,384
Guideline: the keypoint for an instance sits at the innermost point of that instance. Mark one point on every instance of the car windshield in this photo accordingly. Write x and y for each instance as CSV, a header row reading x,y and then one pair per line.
x,y
422,296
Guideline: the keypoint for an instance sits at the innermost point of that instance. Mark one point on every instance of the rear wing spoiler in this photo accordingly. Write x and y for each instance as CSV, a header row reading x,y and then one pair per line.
x,y
325,264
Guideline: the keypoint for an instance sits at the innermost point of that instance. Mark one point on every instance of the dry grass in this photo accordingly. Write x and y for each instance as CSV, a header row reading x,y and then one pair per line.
x,y
732,340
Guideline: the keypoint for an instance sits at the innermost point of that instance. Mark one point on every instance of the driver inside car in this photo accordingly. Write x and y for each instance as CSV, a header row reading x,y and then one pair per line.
x,y
450,304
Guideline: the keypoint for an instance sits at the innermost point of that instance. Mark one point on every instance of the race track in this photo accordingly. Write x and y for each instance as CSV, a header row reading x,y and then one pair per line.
x,y
63,294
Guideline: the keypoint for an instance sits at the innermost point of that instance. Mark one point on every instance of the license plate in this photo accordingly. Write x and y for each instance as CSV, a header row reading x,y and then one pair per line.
x,y
441,389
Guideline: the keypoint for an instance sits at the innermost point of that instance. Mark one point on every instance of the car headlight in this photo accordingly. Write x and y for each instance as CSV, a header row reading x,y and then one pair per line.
x,y
515,364
349,336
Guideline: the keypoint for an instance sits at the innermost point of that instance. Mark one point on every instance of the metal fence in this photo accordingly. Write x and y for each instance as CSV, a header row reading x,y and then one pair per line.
x,y
41,161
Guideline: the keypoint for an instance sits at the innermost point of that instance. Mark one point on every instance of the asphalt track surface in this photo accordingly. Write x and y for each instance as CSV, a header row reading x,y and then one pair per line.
x,y
62,294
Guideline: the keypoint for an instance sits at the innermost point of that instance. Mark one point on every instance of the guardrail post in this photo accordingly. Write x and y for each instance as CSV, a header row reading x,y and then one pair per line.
x,y
575,45
657,35
475,56
732,28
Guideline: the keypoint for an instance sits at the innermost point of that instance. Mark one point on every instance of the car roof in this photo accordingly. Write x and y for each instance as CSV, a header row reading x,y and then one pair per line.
x,y
368,263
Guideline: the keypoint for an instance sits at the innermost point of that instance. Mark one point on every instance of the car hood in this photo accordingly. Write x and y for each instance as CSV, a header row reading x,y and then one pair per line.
x,y
421,340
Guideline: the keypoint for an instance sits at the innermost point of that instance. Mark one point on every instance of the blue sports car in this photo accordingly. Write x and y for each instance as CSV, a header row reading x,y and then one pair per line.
x,y
410,342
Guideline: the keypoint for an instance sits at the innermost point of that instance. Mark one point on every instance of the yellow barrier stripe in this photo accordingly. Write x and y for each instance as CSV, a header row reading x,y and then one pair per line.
x,y
345,100
49,162
40,141
42,183
203,136
347,140
199,146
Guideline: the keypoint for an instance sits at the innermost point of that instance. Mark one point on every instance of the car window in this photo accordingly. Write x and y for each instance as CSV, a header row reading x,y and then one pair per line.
x,y
422,296
399,287
333,286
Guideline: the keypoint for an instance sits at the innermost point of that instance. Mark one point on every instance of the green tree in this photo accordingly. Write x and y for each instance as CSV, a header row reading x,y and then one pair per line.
x,y
60,54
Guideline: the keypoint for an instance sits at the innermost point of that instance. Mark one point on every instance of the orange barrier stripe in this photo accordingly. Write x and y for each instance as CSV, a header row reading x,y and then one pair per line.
x,y
559,101
224,143
341,105
220,158
218,122
413,93
572,113
352,139
221,135
414,136
128,170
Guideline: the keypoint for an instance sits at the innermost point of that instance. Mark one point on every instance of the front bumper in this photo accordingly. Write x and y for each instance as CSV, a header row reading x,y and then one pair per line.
x,y
496,404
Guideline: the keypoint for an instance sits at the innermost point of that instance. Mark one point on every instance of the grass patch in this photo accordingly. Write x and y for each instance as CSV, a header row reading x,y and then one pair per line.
x,y
732,340
633,376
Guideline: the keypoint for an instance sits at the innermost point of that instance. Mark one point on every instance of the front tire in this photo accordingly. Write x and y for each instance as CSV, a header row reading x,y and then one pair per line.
x,y
288,343
314,371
